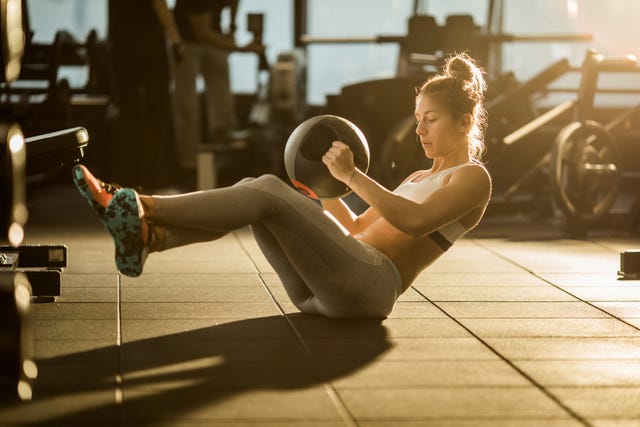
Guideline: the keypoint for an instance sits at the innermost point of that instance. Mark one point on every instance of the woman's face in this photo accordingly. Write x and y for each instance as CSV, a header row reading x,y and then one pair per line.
x,y
439,133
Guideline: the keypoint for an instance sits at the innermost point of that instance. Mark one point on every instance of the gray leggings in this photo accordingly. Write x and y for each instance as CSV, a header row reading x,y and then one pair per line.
x,y
323,270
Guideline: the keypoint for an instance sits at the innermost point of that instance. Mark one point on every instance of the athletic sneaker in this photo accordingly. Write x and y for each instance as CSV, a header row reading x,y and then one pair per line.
x,y
97,193
123,219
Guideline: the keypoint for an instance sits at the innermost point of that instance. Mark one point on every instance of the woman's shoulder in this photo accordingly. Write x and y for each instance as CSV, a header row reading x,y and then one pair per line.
x,y
474,174
475,168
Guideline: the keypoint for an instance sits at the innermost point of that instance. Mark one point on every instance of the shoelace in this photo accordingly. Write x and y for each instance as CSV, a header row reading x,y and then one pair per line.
x,y
110,187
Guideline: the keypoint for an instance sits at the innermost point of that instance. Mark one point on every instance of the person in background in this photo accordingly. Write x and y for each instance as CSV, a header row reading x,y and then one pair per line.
x,y
206,48
143,128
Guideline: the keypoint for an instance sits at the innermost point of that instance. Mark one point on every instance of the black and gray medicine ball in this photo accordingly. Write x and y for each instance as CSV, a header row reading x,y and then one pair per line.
x,y
309,142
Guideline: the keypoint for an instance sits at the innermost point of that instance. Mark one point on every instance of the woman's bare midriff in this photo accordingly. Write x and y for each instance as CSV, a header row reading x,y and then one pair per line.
x,y
409,254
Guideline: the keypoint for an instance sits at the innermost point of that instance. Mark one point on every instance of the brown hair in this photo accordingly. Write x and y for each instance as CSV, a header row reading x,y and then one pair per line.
x,y
460,89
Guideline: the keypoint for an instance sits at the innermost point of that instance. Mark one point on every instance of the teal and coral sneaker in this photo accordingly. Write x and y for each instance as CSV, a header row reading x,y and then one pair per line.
x,y
96,192
124,220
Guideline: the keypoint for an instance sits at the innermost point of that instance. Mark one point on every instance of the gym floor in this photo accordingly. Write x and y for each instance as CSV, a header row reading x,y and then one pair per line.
x,y
515,326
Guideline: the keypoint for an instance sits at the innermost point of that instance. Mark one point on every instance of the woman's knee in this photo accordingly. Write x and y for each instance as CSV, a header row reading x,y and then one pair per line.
x,y
270,183
245,180
270,179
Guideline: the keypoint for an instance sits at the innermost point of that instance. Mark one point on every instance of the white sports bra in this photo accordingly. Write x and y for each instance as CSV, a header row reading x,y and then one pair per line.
x,y
418,191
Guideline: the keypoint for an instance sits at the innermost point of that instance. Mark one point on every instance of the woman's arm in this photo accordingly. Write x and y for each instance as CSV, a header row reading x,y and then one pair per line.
x,y
467,189
233,11
200,24
353,223
165,17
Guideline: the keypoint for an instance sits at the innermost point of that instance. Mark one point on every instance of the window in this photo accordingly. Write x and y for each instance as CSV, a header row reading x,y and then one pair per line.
x,y
331,66
278,37
77,17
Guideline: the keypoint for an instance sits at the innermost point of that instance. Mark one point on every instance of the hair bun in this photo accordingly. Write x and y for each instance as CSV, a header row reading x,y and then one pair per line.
x,y
458,68
462,67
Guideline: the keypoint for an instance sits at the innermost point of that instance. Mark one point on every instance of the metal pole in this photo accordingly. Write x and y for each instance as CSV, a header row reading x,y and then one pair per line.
x,y
299,21
490,13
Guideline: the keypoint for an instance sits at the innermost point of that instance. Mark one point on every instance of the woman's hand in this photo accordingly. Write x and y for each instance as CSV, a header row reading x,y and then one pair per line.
x,y
339,161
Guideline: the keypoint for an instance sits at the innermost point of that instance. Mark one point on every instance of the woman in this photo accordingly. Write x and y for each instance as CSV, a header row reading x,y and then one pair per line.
x,y
359,267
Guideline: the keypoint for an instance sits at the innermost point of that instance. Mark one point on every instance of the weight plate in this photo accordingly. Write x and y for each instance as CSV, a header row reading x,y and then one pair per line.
x,y
584,173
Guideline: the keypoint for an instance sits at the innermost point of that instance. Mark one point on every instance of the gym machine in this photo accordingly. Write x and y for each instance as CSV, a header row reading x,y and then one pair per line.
x,y
28,273
388,125
38,98
584,166
584,176
507,111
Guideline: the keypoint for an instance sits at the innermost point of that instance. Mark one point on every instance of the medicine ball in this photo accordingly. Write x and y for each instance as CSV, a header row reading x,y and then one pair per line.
x,y
309,142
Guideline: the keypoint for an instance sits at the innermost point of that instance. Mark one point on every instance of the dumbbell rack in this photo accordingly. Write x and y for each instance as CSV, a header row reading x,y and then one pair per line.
x,y
42,264
28,273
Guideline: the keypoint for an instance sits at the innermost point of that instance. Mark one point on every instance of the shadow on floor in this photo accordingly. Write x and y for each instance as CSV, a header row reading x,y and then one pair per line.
x,y
165,377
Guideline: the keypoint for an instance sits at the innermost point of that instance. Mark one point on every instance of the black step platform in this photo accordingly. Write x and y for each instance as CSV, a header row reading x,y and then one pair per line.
x,y
42,264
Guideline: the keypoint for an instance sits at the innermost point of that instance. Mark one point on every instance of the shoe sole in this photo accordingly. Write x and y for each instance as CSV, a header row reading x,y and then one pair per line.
x,y
83,188
123,221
